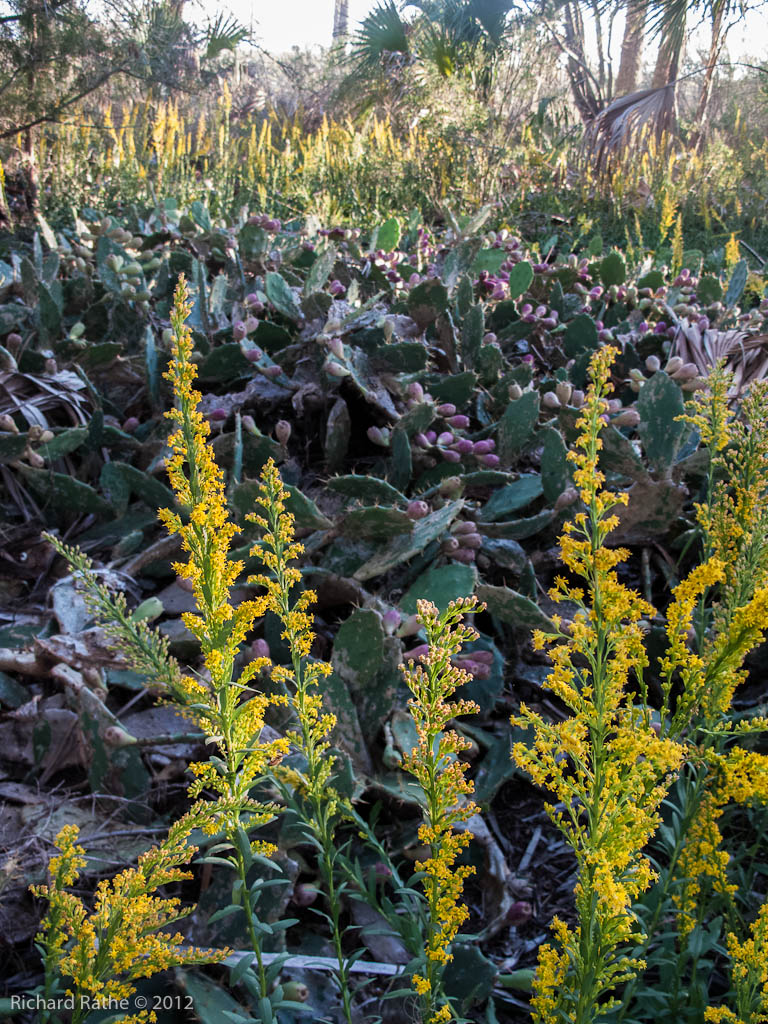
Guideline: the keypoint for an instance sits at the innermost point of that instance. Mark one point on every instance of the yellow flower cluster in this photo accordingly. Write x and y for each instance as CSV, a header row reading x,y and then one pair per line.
x,y
750,977
208,531
702,862
606,766
103,951
435,763
702,674
277,549
225,708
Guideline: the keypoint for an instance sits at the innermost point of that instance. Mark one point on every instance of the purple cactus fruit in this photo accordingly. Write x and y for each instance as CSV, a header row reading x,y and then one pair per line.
x,y
464,555
490,461
447,409
463,446
483,447
417,509
459,422
471,540
239,330
464,526
469,665
283,432
272,371
391,619
251,324
253,355
418,652
336,345
335,369
445,438
304,895
431,436
519,913
410,626
336,288
422,440
449,455
627,418
378,436
218,415
416,391
260,649
130,424
484,657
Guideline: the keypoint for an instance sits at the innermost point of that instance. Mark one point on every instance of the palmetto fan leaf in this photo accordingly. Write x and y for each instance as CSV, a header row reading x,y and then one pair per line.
x,y
745,353
625,120
224,33
381,32
493,15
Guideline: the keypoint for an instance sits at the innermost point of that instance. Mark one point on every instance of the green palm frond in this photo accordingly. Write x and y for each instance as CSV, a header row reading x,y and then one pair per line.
x,y
225,33
381,32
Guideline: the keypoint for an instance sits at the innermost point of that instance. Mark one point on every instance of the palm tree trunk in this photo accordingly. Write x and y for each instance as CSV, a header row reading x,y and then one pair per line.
x,y
587,103
340,19
668,61
715,46
631,49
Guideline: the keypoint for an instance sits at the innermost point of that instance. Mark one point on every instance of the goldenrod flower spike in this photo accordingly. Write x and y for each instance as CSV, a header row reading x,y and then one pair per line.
x,y
225,707
605,765
308,791
105,950
749,973
435,764
207,533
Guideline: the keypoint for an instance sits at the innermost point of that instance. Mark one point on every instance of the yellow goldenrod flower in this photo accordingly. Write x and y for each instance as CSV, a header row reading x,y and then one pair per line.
x,y
749,973
308,790
435,764
104,950
606,766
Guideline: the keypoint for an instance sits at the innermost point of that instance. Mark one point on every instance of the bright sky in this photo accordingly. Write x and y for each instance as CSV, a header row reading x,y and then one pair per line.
x,y
279,25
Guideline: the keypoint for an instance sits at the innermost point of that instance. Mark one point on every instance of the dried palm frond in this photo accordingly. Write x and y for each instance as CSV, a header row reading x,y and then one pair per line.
x,y
745,353
45,401
627,120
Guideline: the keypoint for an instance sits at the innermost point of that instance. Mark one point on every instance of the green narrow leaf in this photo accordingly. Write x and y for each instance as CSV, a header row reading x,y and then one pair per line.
x,y
737,284
150,362
236,973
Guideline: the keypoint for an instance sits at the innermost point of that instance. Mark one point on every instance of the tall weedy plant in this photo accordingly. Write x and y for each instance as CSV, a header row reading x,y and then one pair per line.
x,y
437,768
220,700
94,956
223,702
308,791
605,763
